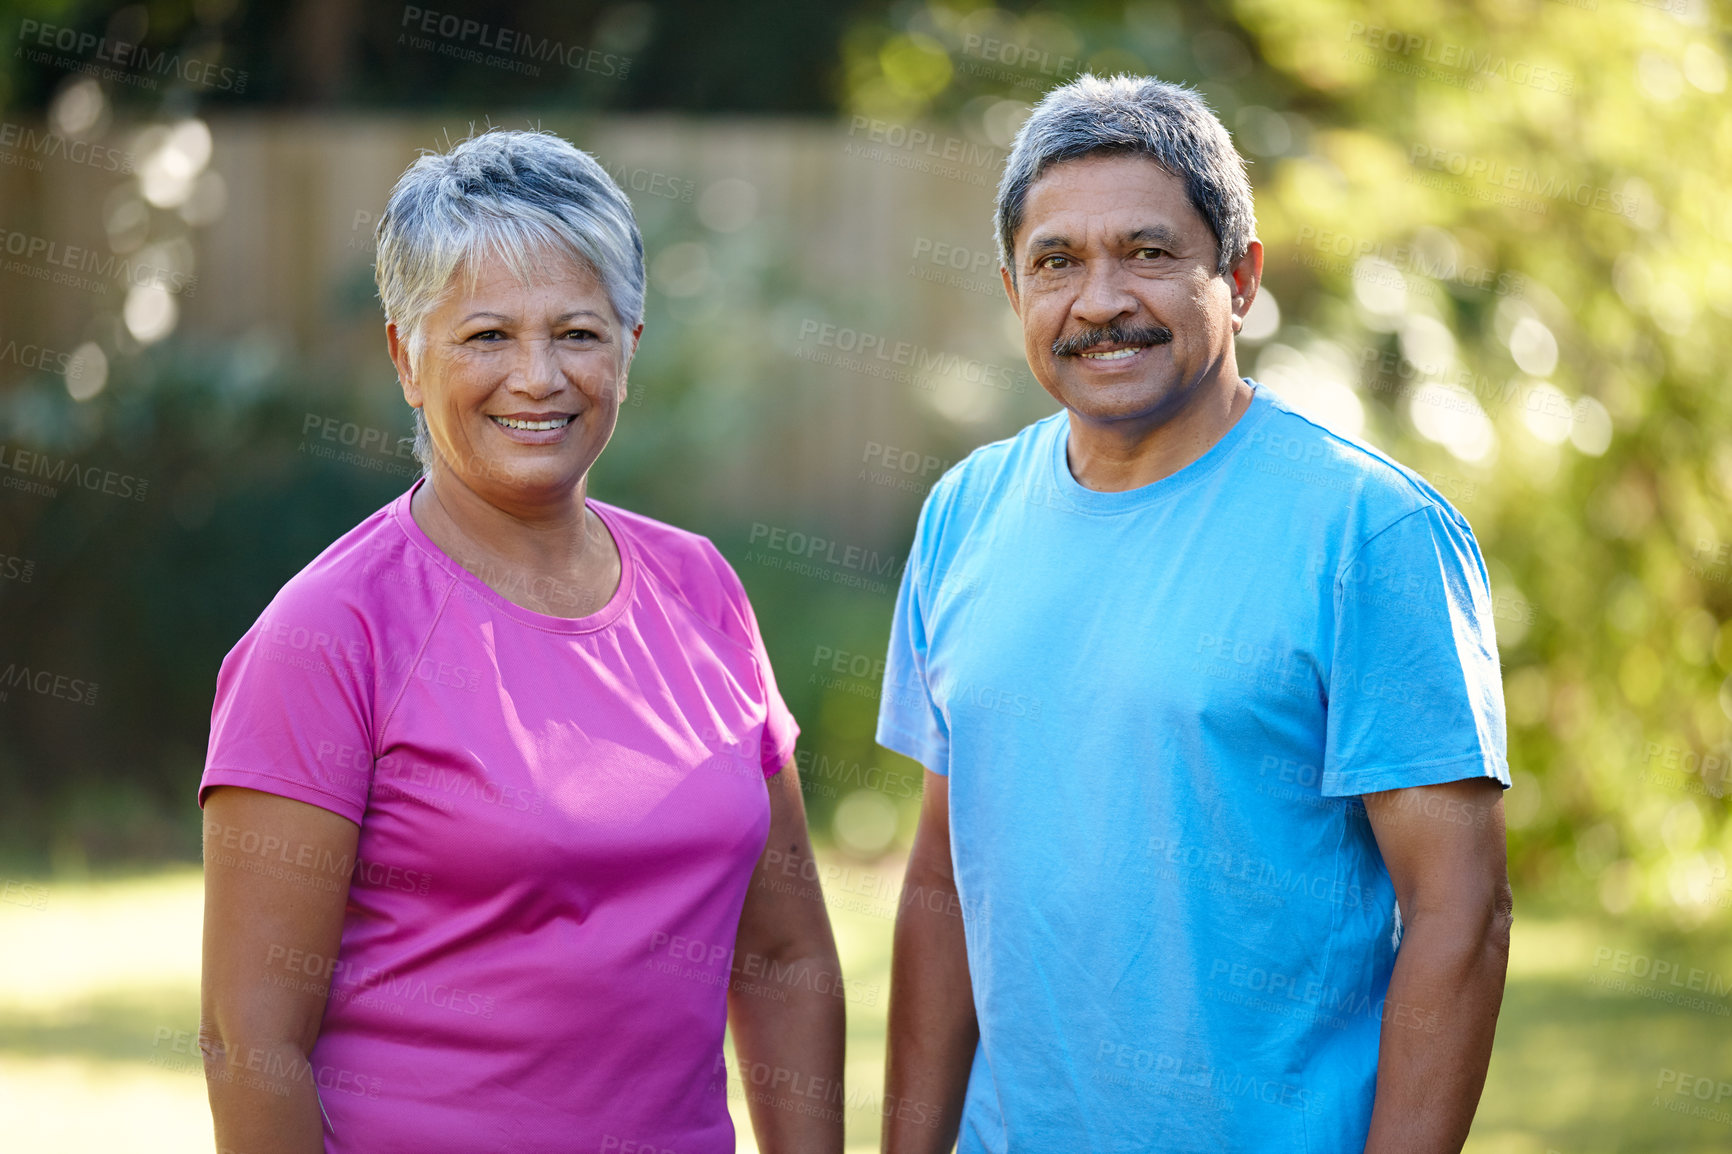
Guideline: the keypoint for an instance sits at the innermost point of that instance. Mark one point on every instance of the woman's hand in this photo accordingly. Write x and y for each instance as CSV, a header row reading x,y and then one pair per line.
x,y
276,882
785,1002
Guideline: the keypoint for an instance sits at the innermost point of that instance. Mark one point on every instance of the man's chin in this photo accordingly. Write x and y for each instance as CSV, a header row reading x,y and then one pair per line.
x,y
1127,401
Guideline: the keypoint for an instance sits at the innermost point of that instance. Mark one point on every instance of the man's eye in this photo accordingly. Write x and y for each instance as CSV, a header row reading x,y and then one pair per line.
x,y
1150,253
1056,260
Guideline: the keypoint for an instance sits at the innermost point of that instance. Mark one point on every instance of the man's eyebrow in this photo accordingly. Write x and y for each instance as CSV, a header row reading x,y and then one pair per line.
x,y
1159,233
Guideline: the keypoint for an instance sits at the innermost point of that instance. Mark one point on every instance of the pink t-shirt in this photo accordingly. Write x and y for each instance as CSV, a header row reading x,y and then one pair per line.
x,y
559,821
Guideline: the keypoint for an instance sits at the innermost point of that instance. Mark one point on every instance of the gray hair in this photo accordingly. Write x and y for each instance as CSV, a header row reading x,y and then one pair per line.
x,y
1136,116
516,194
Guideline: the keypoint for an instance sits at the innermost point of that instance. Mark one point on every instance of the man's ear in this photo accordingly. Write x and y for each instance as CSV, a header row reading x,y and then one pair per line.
x,y
1245,276
1010,291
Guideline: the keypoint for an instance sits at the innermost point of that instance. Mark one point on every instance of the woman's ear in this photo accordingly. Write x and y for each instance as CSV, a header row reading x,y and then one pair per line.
x,y
629,351
398,346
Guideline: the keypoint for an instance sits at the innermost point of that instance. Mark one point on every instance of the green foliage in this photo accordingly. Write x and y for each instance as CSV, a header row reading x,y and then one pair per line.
x,y
1498,236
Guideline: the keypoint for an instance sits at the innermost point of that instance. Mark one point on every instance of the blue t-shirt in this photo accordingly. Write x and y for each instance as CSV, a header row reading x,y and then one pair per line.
x,y
1156,708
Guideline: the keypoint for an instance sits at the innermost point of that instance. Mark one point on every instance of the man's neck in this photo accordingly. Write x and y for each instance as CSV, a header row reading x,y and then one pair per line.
x,y
1111,456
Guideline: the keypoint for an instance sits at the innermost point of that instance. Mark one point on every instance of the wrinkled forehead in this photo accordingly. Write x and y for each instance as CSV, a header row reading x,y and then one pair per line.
x,y
1113,196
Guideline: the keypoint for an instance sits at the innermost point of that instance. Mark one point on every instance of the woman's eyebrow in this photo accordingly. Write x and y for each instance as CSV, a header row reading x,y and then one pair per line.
x,y
556,320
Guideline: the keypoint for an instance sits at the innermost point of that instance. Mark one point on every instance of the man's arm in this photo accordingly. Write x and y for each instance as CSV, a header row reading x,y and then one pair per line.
x,y
785,1001
261,1004
1444,846
933,1030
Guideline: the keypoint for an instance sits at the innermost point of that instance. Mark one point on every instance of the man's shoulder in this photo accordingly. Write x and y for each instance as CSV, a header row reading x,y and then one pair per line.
x,y
1318,463
1013,462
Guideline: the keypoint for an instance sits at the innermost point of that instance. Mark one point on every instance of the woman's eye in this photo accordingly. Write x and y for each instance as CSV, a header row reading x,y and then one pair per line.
x,y
487,335
581,335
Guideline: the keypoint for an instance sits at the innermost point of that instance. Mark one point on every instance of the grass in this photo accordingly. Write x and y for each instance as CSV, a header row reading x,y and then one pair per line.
x,y
99,993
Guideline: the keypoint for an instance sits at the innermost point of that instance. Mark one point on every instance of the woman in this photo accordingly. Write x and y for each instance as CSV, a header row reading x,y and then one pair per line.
x,y
490,781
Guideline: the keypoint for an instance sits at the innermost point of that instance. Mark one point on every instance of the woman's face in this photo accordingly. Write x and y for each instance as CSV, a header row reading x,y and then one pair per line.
x,y
520,383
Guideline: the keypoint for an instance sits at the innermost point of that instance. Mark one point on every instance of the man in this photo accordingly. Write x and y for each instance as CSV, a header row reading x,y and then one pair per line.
x,y
1203,689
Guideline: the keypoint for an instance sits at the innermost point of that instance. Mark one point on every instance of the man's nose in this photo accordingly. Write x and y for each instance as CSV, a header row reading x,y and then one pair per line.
x,y
1103,296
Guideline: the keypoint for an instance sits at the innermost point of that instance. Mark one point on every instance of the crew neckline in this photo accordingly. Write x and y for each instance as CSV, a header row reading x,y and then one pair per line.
x,y
600,619
1088,500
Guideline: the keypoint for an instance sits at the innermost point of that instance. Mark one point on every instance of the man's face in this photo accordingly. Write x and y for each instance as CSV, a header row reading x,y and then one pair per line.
x,y
1123,315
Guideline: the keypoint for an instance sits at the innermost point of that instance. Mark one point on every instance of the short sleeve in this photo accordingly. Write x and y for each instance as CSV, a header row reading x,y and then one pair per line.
x,y
780,728
908,720
293,712
1415,692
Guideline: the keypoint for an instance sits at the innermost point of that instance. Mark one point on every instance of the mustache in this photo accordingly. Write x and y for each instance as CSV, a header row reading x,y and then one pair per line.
x,y
1113,334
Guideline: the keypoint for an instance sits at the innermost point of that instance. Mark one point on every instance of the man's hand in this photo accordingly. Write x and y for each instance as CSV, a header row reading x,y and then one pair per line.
x,y
1444,846
933,1030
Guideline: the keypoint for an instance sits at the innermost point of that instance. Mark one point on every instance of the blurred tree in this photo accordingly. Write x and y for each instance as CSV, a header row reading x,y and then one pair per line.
x,y
1498,237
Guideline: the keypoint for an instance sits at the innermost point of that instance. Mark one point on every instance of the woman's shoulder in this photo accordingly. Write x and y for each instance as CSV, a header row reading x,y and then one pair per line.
x,y
683,563
367,584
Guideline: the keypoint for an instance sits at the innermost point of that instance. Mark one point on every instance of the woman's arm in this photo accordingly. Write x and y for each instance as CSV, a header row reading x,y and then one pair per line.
x,y
276,882
786,999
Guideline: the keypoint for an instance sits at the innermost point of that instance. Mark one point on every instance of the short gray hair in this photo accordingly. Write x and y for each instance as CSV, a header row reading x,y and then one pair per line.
x,y
516,194
1136,116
